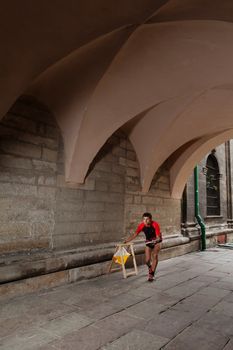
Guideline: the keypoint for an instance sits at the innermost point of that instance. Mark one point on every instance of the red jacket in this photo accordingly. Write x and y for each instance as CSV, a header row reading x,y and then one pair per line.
x,y
151,232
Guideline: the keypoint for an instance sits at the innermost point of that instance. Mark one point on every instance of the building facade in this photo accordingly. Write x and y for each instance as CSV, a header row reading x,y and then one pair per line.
x,y
55,232
104,112
215,197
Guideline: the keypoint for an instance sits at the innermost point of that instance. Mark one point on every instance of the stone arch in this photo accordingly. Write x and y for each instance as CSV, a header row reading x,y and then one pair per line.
x,y
136,78
185,163
28,54
118,97
67,86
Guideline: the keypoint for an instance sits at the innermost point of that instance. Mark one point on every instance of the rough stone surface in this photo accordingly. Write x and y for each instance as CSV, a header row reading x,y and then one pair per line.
x,y
216,223
111,313
39,210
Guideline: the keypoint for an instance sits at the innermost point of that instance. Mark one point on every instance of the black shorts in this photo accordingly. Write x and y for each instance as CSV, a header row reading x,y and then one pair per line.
x,y
150,245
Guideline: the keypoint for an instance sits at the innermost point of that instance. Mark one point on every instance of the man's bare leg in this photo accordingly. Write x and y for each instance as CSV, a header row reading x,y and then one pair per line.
x,y
148,256
148,253
155,261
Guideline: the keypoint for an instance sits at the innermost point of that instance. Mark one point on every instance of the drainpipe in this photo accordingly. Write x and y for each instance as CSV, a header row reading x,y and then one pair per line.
x,y
197,210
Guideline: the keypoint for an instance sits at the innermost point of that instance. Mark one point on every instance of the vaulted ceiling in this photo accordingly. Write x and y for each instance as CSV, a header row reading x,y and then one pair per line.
x,y
160,69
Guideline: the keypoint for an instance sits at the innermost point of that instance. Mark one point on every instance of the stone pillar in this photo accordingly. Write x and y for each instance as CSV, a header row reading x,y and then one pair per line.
x,y
189,227
228,184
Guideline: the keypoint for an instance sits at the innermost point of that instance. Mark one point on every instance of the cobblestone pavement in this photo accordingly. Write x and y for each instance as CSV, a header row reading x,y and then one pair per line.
x,y
188,306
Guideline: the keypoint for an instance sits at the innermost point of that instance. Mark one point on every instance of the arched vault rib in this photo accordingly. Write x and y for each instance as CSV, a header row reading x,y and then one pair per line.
x,y
155,125
184,165
67,86
193,56
178,10
209,114
35,36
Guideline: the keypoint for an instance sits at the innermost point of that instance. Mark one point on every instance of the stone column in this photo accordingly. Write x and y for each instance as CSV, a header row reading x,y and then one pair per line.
x,y
229,184
189,227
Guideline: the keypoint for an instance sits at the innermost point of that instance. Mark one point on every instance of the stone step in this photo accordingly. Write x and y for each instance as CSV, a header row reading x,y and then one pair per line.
x,y
24,274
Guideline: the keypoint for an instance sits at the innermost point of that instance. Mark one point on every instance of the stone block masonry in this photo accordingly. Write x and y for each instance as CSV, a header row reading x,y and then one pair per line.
x,y
42,214
164,209
27,178
38,209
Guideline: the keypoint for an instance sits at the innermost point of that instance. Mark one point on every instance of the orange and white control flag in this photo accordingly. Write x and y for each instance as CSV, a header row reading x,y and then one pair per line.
x,y
121,254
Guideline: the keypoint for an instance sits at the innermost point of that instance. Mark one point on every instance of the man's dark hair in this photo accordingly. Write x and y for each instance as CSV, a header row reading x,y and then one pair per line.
x,y
147,215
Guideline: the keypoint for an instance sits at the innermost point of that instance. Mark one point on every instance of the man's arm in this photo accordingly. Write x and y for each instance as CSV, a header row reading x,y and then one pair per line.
x,y
131,237
139,229
157,232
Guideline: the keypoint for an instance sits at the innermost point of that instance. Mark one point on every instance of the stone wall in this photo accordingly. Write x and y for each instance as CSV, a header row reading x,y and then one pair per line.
x,y
92,213
165,210
40,211
219,227
212,222
28,170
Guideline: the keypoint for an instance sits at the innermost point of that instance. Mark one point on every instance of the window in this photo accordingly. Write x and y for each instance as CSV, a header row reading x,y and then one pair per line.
x,y
212,186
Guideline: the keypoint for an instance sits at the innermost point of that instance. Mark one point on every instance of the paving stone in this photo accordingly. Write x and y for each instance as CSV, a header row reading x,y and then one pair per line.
x,y
200,270
44,347
225,308
144,291
87,301
164,298
185,289
33,338
215,273
168,324
66,324
146,309
225,268
120,323
101,311
229,297
223,284
194,312
127,299
137,340
177,278
88,338
114,290
64,296
228,279
35,309
217,321
214,292
229,345
165,283
207,279
199,300
195,337
168,270
14,325
110,312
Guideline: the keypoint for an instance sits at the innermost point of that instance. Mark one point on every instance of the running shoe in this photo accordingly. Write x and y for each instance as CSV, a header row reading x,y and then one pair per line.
x,y
150,277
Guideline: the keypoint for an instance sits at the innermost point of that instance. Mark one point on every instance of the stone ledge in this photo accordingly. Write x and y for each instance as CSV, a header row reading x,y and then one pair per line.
x,y
196,235
16,284
36,265
23,266
51,280
219,232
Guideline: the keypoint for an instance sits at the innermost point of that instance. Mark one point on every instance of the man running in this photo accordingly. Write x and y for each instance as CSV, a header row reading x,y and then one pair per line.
x,y
153,235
